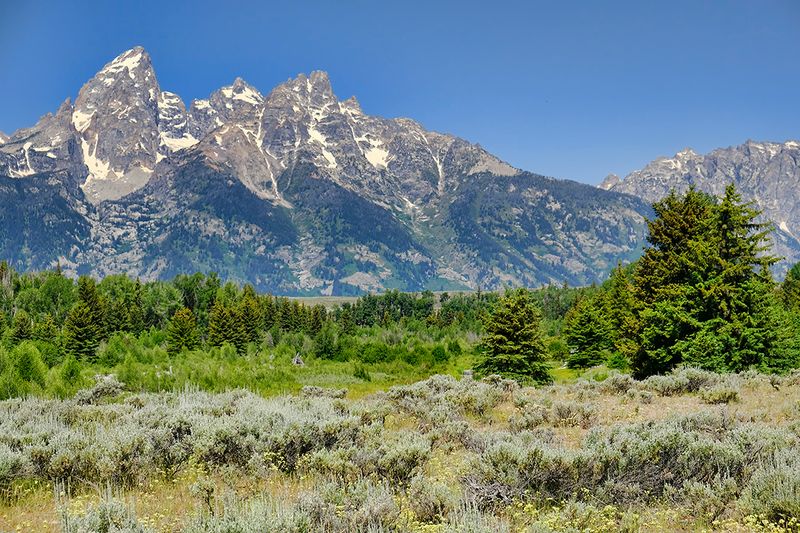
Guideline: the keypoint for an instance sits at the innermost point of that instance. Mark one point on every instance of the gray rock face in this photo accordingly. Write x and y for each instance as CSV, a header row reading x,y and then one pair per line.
x,y
297,192
766,173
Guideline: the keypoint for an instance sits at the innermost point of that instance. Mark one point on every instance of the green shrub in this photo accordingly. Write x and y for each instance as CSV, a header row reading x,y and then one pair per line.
x,y
375,352
719,395
361,373
774,488
28,363
439,354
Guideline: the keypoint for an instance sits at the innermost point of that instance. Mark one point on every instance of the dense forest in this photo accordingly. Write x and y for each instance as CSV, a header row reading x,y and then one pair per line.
x,y
701,295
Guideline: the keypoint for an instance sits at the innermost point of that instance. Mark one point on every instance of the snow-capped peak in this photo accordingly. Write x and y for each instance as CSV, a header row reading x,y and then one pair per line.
x,y
3,138
129,61
241,90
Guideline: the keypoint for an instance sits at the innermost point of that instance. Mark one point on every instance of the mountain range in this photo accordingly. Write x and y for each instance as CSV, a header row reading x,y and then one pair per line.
x,y
765,173
299,192
295,191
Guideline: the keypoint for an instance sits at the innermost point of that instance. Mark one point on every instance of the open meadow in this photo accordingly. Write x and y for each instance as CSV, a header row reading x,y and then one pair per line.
x,y
689,451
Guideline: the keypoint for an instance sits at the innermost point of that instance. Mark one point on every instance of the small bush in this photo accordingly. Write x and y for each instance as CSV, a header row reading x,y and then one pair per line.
x,y
573,414
109,516
720,394
774,488
104,387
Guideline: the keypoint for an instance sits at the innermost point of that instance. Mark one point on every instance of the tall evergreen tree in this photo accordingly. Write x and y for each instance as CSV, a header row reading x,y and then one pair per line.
x,y
249,316
588,333
225,326
705,287
81,333
182,332
326,343
21,327
90,297
345,319
317,318
790,289
45,329
513,345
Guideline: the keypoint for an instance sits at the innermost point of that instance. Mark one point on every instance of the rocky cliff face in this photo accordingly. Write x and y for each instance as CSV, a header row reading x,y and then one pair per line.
x,y
295,191
765,173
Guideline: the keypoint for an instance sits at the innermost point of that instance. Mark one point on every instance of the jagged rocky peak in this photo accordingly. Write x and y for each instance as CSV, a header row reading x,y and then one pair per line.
x,y
45,147
295,191
173,125
763,172
610,181
116,116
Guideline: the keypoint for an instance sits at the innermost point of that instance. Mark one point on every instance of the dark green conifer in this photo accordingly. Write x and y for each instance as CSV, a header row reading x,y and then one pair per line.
x,y
588,333
513,345
182,332
81,333
21,327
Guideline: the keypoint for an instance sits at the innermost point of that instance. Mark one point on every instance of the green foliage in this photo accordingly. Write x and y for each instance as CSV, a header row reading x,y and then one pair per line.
x,y
182,332
21,328
224,326
588,333
82,333
91,300
790,289
28,363
326,342
513,345
703,289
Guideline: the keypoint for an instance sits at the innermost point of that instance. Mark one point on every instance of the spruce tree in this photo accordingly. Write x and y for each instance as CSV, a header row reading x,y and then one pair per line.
x,y
317,318
182,332
225,326
345,319
88,295
21,327
512,345
250,318
136,309
790,289
705,287
81,333
326,344
45,330
588,333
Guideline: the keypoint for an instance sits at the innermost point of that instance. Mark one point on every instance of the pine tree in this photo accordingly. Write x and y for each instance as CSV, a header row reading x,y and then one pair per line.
x,y
588,333
45,330
706,288
513,345
21,329
345,319
269,311
88,295
790,289
249,316
621,308
317,318
182,332
136,310
326,344
225,326
81,333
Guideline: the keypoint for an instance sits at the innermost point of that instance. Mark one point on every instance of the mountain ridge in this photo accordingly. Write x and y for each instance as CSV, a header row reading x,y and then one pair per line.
x,y
764,173
295,191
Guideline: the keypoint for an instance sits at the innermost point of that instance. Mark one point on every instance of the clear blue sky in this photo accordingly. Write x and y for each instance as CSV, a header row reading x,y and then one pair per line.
x,y
568,89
